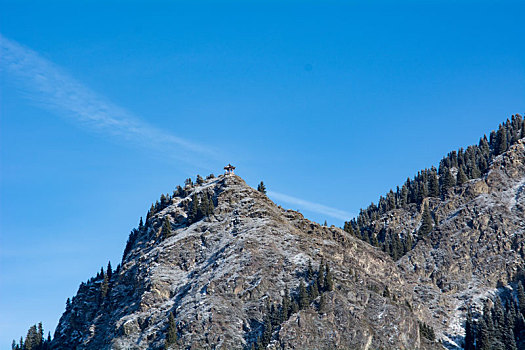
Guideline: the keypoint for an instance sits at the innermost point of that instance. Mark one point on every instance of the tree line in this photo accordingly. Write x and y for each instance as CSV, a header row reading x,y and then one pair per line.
x,y
201,206
456,168
34,339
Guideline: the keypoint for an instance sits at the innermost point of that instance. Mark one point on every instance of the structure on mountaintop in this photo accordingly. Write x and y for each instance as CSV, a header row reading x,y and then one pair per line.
x,y
229,169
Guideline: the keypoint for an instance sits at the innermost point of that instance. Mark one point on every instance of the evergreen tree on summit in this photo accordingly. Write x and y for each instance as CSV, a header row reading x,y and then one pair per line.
x,y
194,210
461,178
448,182
501,140
433,185
261,188
109,270
199,180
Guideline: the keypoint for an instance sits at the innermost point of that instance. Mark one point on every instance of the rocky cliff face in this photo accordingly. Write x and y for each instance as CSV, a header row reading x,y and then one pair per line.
x,y
477,243
219,274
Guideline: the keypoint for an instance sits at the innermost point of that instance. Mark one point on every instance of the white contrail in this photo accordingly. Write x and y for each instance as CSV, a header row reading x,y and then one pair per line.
x,y
55,90
314,207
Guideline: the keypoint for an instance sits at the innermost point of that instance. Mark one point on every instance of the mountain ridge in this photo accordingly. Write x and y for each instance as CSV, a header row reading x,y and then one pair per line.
x,y
218,265
247,235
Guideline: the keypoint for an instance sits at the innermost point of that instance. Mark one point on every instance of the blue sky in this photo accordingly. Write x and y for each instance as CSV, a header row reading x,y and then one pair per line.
x,y
104,106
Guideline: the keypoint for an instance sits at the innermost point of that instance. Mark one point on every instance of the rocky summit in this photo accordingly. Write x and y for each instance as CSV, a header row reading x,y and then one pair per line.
x,y
218,265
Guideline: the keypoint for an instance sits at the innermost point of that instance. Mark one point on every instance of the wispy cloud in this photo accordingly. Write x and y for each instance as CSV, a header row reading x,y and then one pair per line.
x,y
55,90
52,88
314,207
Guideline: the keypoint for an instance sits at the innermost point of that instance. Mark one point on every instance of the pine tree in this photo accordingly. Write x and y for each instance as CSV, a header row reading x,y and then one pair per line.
x,y
404,196
141,224
348,228
294,307
166,228
109,271
211,205
426,331
313,291
267,331
447,182
40,334
285,308
302,296
320,278
511,314
179,192
150,212
171,335
501,141
508,339
275,316
48,338
194,210
31,342
373,240
163,201
498,318
202,210
261,188
408,243
521,298
309,271
484,331
469,333
461,178
426,222
433,185
475,173
199,180
104,287
322,303
328,280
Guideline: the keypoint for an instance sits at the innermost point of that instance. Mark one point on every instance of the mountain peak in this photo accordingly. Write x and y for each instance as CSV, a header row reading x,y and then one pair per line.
x,y
221,274
218,265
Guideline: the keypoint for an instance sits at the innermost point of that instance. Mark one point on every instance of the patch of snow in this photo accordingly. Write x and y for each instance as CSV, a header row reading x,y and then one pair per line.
x,y
300,259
